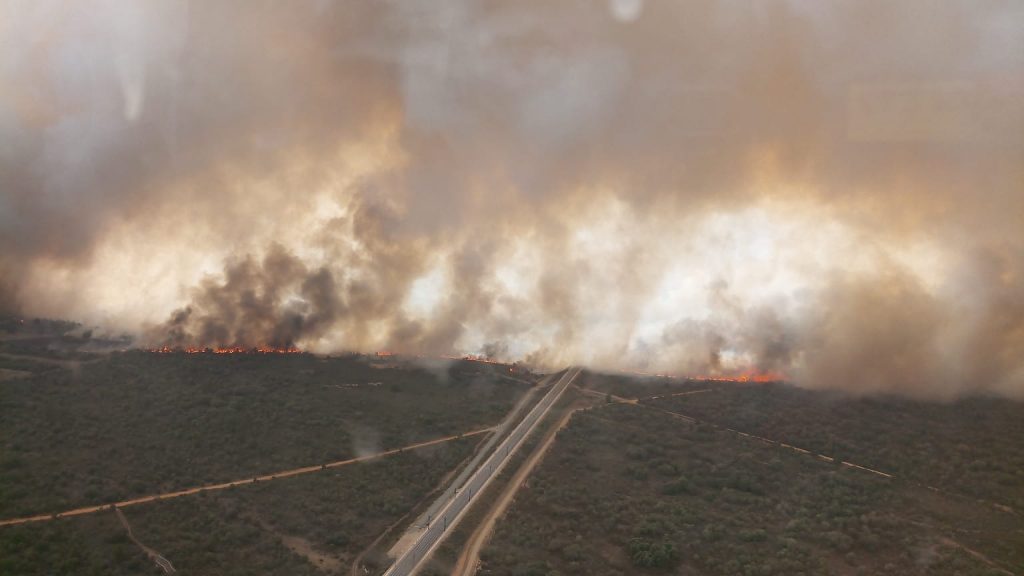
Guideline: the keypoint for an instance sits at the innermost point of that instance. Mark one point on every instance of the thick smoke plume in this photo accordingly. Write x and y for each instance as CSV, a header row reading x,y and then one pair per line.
x,y
834,191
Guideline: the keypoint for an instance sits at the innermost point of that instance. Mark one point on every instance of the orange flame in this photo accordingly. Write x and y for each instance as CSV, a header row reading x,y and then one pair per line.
x,y
225,350
747,376
751,376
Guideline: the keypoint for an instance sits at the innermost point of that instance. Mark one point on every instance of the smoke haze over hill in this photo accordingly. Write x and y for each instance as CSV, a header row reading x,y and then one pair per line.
x,y
832,192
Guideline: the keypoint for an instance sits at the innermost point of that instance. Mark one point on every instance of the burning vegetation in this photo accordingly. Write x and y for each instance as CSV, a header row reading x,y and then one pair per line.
x,y
746,376
225,350
826,233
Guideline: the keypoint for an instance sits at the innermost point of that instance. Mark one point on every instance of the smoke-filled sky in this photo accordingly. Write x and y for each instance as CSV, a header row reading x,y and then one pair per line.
x,y
829,190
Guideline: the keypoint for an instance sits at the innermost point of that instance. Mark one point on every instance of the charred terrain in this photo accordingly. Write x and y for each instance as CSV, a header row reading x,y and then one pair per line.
x,y
632,474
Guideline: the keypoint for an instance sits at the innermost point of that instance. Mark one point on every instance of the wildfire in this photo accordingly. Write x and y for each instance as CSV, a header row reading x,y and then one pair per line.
x,y
467,357
474,358
225,350
748,376
514,368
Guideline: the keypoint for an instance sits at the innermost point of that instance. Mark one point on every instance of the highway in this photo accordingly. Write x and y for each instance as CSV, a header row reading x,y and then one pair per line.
x,y
469,559
466,494
499,432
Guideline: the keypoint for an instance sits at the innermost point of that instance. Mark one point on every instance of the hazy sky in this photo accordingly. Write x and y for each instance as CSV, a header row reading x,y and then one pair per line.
x,y
830,190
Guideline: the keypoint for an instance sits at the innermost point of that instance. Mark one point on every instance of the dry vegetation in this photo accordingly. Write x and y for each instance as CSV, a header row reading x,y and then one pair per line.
x,y
625,489
313,524
628,489
973,447
129,424
137,423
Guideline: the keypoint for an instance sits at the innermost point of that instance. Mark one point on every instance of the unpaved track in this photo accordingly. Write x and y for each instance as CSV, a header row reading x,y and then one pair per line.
x,y
764,440
413,530
445,490
686,393
302,547
470,558
825,458
599,394
6,374
409,562
153,555
225,485
68,364
992,564
356,568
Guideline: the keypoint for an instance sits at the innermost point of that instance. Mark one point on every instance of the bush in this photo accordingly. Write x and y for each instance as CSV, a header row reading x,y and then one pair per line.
x,y
678,486
647,554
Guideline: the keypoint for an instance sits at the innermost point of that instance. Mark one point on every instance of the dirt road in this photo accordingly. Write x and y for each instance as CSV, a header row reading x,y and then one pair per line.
x,y
66,364
470,557
414,530
410,561
153,555
225,485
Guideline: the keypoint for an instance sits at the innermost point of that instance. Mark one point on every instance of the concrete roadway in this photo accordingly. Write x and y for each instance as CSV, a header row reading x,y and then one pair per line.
x,y
409,562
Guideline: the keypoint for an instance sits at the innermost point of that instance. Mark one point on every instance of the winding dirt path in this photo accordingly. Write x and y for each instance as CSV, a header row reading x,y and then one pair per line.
x,y
153,555
978,555
225,485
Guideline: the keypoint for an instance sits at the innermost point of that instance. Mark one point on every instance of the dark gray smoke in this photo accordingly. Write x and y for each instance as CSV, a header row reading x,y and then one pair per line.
x,y
830,191
251,306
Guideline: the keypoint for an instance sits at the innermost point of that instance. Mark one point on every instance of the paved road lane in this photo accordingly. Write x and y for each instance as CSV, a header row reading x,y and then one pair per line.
x,y
411,560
